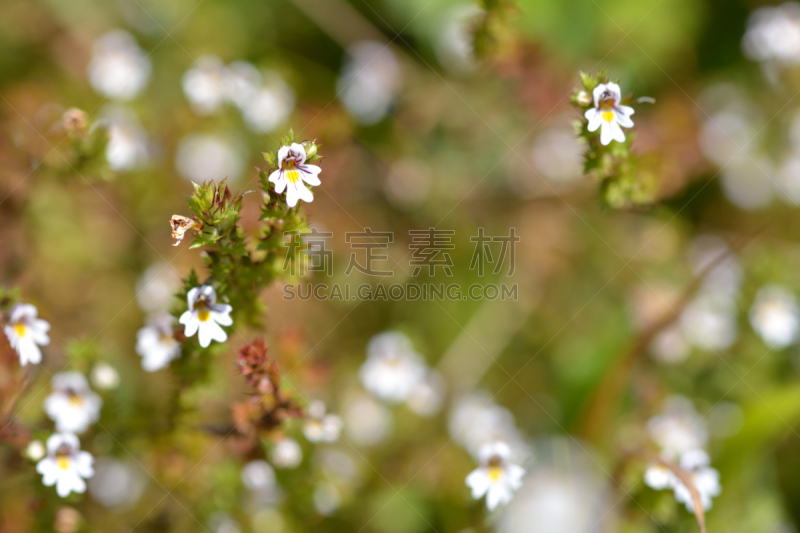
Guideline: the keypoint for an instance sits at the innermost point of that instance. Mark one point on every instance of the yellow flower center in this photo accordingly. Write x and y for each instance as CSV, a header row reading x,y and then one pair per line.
x,y
293,176
20,329
495,473
204,316
608,116
74,399
63,462
288,163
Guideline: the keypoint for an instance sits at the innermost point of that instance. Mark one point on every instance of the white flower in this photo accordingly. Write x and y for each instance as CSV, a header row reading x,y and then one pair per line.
x,y
206,315
292,172
104,376
26,333
659,477
287,453
367,421
65,466
119,68
679,428
321,427
392,369
496,477
773,34
127,141
72,405
704,478
202,84
608,115
774,316
157,344
695,464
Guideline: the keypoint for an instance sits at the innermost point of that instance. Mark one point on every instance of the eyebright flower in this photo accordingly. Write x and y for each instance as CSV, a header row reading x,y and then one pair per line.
x,y
292,172
205,316
695,463
392,369
704,478
496,477
608,115
156,343
65,466
25,331
72,405
321,427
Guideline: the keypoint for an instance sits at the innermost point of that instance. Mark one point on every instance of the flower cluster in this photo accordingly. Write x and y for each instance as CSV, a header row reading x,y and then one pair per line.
x,y
607,159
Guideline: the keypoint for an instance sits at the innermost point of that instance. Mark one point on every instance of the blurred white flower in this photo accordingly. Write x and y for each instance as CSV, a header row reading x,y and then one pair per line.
x,y
773,34
115,483
670,345
608,114
118,68
454,35
35,450
367,422
749,182
156,343
326,498
65,465
205,316
337,466
156,288
496,477
774,316
286,453
319,426
562,493
392,368
695,463
679,428
104,376
72,405
475,420
270,106
726,136
369,82
557,154
709,322
292,172
201,157
203,84
127,141
258,475
427,396
26,332
407,183
241,81
704,478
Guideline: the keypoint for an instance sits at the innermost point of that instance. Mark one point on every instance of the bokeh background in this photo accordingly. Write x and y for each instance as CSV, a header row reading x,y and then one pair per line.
x,y
417,132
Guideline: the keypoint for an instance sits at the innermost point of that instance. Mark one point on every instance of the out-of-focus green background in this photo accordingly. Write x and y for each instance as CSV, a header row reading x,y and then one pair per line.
x,y
444,141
